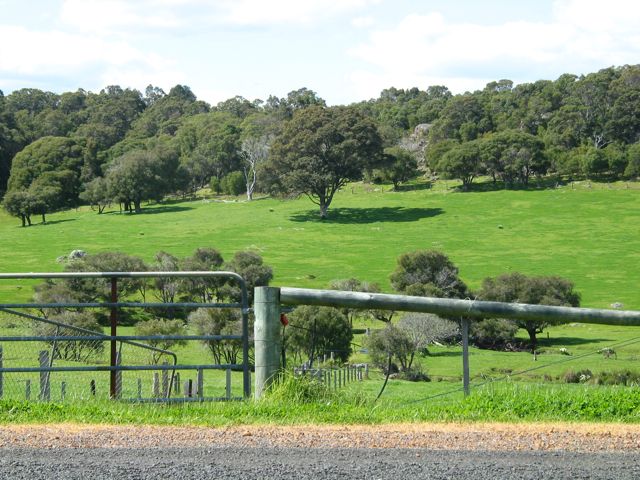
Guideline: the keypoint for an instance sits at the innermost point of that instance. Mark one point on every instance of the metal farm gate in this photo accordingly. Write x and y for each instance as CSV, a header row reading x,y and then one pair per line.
x,y
48,359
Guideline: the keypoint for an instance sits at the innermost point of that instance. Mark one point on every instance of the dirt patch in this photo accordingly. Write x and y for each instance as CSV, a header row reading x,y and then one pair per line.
x,y
436,436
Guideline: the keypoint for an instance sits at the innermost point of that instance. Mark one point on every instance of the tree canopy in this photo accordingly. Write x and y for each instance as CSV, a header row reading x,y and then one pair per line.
x,y
321,149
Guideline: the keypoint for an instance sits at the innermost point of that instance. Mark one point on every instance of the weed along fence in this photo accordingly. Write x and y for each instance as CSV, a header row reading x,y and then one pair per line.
x,y
43,357
269,299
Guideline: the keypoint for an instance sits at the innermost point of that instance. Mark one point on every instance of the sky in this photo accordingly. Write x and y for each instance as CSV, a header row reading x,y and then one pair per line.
x,y
344,50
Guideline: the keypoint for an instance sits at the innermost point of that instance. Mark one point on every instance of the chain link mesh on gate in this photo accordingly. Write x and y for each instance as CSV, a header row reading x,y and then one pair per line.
x,y
42,358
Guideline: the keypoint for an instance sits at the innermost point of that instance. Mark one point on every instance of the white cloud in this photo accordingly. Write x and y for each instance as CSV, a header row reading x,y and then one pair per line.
x,y
25,51
113,15
261,12
363,22
424,50
32,54
127,15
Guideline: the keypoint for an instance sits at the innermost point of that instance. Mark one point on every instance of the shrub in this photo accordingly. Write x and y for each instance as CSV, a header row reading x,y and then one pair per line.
x,y
233,184
392,341
494,333
620,377
314,331
580,376
415,375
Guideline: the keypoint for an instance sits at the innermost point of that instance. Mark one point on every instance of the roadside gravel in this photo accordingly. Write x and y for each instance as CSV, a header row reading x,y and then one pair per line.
x,y
445,436
403,451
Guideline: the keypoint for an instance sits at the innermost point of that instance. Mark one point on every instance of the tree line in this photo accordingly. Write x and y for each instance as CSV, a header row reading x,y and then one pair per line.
x,y
125,147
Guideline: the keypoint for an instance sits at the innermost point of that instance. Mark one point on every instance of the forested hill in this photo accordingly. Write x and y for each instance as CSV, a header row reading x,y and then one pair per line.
x,y
59,150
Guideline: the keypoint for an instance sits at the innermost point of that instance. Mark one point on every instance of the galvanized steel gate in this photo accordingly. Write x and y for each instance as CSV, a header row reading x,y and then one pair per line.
x,y
34,348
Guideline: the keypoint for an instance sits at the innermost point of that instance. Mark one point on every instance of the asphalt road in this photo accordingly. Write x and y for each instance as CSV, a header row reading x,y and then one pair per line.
x,y
309,463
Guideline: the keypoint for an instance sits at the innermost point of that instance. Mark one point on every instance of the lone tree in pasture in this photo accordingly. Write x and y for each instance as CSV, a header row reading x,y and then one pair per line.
x,y
321,149
518,288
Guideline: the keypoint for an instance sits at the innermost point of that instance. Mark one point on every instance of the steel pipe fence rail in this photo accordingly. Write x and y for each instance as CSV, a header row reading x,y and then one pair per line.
x,y
465,310
43,359
457,308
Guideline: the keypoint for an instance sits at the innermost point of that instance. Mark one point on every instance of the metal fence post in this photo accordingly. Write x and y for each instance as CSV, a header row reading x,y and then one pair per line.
x,y
268,341
465,356
113,389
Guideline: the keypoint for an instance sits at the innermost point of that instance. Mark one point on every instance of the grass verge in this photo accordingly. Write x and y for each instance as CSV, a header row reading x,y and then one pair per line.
x,y
493,403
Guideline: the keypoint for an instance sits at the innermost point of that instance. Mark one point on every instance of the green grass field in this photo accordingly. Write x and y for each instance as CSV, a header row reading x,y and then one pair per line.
x,y
589,235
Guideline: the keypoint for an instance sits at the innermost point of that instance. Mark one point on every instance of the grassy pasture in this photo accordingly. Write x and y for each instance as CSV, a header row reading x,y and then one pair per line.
x,y
590,235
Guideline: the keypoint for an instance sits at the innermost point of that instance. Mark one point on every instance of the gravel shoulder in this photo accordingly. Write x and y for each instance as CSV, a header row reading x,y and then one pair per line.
x,y
541,437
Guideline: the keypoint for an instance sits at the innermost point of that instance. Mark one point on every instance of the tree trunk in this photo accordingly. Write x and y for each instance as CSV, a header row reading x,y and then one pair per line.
x,y
28,217
44,220
533,341
137,206
24,220
323,211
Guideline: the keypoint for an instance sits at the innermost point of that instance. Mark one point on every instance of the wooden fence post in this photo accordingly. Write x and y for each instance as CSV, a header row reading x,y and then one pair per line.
x,y
155,387
176,383
165,380
45,390
118,376
267,337
200,387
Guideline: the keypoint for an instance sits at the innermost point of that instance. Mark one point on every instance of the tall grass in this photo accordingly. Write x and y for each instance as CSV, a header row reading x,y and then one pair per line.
x,y
495,403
